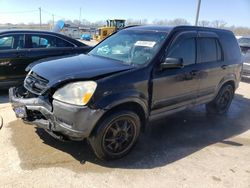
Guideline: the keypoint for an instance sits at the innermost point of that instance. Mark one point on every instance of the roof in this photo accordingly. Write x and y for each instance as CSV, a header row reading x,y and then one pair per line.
x,y
167,29
25,31
151,28
11,31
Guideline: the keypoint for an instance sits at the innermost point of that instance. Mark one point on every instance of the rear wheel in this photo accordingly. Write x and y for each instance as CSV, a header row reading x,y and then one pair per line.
x,y
116,135
222,102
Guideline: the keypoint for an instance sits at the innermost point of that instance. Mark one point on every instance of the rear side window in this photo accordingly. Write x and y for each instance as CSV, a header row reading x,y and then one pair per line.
x,y
47,41
63,43
185,49
9,42
6,42
210,50
39,42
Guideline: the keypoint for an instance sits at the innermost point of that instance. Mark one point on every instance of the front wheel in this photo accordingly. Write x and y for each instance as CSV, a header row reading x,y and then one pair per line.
x,y
222,102
115,135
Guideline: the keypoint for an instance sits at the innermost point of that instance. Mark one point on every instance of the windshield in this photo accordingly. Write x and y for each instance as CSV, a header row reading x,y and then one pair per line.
x,y
131,47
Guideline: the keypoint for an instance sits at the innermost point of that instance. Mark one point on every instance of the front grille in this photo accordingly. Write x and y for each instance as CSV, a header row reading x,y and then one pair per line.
x,y
35,83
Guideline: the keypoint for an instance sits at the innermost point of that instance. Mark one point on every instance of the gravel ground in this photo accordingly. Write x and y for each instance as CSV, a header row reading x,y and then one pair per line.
x,y
187,149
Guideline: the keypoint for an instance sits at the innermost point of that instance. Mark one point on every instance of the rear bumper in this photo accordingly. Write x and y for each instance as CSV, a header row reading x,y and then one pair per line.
x,y
74,122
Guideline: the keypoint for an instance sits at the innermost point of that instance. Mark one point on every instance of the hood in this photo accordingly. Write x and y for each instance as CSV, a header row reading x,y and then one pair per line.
x,y
29,67
77,67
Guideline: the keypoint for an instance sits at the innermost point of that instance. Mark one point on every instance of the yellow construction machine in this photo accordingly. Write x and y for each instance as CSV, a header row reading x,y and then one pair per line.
x,y
112,26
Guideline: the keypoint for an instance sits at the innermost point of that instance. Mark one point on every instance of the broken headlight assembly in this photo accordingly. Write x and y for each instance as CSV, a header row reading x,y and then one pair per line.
x,y
76,93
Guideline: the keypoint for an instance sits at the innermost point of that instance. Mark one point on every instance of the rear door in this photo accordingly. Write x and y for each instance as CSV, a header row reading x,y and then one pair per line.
x,y
39,46
212,67
45,45
12,53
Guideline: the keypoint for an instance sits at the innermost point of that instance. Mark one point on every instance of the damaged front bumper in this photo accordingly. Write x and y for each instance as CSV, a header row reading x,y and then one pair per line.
x,y
61,120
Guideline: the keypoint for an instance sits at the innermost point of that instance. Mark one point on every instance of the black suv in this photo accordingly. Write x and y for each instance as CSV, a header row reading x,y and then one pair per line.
x,y
19,48
137,75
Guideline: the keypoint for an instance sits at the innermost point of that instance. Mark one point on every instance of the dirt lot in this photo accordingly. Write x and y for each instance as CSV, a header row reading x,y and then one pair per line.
x,y
188,149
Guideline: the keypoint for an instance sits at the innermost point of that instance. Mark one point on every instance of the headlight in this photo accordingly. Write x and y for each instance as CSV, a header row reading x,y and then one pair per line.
x,y
78,93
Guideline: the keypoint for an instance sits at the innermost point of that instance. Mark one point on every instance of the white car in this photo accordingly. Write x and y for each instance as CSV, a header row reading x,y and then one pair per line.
x,y
244,43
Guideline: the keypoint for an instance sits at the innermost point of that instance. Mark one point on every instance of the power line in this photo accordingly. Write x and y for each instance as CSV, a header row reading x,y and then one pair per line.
x,y
40,11
55,15
19,12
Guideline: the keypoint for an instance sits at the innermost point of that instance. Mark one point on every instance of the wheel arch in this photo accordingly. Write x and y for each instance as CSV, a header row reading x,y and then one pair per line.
x,y
130,105
229,79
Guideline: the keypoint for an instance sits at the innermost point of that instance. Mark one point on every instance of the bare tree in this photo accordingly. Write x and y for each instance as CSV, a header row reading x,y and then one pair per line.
x,y
204,23
160,22
219,24
241,31
99,23
68,22
178,21
136,22
86,22
76,22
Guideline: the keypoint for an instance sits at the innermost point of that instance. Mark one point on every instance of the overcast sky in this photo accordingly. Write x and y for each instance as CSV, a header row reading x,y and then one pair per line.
x,y
234,12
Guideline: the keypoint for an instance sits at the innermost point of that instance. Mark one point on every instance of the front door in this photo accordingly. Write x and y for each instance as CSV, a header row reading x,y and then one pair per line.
x,y
174,89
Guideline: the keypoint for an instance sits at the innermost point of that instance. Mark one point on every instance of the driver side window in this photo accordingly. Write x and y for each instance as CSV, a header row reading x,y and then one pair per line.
x,y
185,49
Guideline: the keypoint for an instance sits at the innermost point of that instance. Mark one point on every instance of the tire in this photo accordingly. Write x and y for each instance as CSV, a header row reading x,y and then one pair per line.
x,y
115,135
222,101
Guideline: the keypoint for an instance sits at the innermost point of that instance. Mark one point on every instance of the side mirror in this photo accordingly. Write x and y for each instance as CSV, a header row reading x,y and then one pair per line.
x,y
172,63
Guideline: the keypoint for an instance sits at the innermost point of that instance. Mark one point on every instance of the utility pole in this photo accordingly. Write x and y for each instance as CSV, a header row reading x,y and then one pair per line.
x,y
80,16
79,21
40,15
53,20
198,12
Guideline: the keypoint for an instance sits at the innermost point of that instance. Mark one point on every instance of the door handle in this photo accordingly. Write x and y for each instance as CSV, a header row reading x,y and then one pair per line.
x,y
18,54
194,72
224,66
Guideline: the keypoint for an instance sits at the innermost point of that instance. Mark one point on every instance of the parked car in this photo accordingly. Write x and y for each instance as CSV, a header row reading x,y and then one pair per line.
x,y
136,75
244,43
246,66
19,48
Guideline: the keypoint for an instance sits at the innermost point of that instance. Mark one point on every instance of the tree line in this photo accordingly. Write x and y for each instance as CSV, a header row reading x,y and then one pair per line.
x,y
238,30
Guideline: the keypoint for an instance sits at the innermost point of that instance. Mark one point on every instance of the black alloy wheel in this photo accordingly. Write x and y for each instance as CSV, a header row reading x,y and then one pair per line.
x,y
115,135
119,135
222,102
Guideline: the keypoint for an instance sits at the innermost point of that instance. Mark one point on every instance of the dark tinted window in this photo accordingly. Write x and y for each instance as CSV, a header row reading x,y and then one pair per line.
x,y
47,41
63,43
39,42
8,42
184,49
210,50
